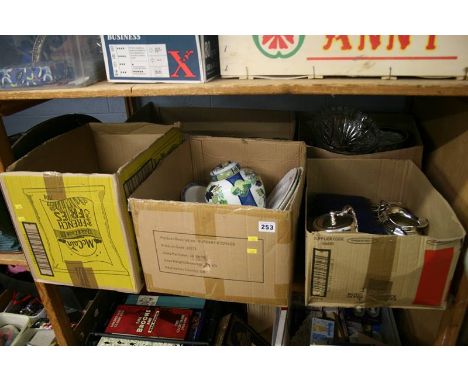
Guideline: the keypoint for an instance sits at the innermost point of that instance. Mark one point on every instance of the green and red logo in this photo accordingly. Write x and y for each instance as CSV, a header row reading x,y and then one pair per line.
x,y
278,46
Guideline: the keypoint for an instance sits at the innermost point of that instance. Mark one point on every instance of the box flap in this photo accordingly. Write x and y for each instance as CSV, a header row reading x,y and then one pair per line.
x,y
242,123
74,151
208,152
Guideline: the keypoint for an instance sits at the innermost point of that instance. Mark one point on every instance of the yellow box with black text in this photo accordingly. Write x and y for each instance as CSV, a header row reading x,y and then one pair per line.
x,y
68,202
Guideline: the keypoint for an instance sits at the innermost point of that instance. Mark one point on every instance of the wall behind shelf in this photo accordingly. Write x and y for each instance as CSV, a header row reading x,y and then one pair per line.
x,y
283,102
113,109
104,109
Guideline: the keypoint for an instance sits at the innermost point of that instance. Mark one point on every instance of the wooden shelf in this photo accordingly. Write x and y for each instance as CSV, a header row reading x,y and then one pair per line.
x,y
343,86
13,258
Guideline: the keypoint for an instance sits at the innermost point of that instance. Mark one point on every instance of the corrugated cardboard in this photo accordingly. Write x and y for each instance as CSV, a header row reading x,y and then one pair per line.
x,y
67,199
239,123
343,55
402,121
217,251
359,269
222,122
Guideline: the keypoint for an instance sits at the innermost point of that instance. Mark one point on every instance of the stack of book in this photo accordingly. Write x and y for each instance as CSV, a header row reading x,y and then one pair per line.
x,y
150,320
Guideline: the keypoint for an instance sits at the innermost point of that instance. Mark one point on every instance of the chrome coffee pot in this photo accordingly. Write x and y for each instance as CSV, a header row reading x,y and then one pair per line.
x,y
398,220
337,221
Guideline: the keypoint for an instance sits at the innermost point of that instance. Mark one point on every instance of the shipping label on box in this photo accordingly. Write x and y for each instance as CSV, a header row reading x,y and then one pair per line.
x,y
74,227
361,269
139,58
343,55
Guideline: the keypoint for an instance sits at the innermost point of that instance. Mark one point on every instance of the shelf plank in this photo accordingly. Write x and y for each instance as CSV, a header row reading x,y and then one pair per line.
x,y
343,86
100,89
350,86
13,258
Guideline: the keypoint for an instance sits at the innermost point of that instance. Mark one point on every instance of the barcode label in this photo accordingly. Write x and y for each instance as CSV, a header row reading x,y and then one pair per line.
x,y
320,269
38,249
136,179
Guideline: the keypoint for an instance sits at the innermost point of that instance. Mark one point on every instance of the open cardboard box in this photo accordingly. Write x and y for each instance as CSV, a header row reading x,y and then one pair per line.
x,y
360,269
217,252
67,199
222,122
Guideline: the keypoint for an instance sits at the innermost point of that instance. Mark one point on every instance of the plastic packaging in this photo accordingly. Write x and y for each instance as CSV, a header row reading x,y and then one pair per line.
x,y
31,61
344,130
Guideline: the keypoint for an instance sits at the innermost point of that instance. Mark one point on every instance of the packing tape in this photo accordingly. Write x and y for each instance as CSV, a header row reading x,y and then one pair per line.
x,y
252,238
54,185
151,287
205,223
378,282
284,229
252,250
80,275
214,288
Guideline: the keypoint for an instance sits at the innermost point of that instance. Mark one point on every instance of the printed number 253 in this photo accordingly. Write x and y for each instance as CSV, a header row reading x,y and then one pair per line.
x,y
266,226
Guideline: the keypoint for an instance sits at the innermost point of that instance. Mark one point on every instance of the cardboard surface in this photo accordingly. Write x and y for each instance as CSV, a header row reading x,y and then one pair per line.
x,y
359,269
240,123
342,55
140,58
402,121
67,199
217,251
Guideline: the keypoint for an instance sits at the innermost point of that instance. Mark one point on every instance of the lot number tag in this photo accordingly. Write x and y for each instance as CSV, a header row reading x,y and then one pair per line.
x,y
266,227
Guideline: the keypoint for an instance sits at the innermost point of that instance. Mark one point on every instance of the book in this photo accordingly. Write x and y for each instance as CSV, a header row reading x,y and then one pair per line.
x,y
109,341
150,321
279,328
169,301
197,322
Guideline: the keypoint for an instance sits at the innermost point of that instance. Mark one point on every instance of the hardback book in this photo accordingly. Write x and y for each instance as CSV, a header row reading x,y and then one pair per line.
x,y
170,301
150,321
110,341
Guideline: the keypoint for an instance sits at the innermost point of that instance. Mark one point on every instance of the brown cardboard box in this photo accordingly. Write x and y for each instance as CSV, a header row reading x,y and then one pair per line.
x,y
217,251
359,269
399,120
240,123
68,201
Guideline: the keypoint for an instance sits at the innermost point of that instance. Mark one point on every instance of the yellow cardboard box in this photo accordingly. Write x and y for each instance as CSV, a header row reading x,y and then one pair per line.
x,y
68,201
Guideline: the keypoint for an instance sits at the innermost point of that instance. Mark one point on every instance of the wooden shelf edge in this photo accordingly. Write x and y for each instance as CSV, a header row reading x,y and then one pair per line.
x,y
343,86
13,258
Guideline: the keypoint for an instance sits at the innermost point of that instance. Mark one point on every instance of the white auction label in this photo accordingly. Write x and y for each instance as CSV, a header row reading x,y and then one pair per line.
x,y
266,227
139,60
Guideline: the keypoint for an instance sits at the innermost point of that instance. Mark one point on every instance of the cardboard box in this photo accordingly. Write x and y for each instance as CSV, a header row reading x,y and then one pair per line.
x,y
343,55
360,269
217,251
398,120
67,199
239,123
138,58
222,122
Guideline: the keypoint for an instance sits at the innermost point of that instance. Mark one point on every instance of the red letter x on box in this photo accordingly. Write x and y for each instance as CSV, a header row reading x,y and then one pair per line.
x,y
182,64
